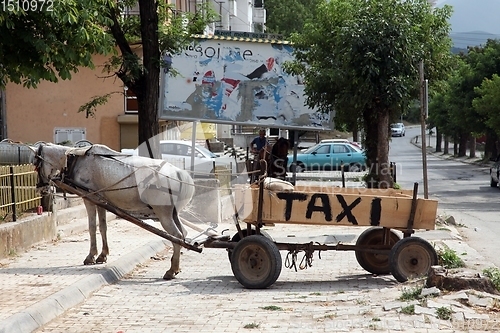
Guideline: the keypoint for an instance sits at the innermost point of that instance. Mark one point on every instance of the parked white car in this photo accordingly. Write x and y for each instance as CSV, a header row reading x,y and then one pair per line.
x,y
178,153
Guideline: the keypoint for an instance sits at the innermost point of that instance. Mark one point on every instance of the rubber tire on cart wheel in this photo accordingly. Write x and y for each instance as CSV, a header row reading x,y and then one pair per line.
x,y
236,238
256,262
412,257
372,262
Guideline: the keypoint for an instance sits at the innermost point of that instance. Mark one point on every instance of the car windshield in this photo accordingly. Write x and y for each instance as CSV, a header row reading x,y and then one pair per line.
x,y
397,125
310,149
206,152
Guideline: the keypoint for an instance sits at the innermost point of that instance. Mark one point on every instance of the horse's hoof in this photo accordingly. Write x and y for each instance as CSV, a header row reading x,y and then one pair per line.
x,y
101,260
89,261
169,275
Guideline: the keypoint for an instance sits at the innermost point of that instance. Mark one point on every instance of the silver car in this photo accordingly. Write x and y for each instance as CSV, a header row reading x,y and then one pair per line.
x,y
178,153
398,129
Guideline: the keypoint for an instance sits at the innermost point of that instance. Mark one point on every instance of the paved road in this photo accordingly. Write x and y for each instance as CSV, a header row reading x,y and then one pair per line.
x,y
463,190
47,289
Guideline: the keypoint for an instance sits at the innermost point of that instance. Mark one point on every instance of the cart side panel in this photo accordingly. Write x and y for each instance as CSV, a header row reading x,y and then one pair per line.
x,y
336,209
390,192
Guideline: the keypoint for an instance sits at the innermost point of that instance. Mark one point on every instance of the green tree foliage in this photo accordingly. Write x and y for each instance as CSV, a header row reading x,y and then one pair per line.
x,y
51,42
361,59
289,16
464,111
488,102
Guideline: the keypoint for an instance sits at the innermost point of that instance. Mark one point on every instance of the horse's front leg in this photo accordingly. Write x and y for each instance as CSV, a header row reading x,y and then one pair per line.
x,y
103,228
91,215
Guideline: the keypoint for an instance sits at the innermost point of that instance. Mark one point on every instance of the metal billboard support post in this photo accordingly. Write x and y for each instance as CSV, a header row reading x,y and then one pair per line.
x,y
423,116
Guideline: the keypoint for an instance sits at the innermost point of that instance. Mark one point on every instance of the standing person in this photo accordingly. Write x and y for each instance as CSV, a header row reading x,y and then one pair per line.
x,y
259,142
256,146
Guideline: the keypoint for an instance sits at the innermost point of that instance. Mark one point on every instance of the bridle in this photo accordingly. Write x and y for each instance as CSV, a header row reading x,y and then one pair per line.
x,y
43,180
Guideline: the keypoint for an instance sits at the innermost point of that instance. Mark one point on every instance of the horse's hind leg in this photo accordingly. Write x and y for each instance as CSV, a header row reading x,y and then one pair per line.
x,y
91,215
166,216
103,229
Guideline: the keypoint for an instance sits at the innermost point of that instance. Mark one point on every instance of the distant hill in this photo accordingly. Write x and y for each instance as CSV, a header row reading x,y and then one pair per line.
x,y
463,39
473,22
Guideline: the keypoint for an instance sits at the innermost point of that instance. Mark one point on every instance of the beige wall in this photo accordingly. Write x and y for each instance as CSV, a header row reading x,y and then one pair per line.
x,y
32,114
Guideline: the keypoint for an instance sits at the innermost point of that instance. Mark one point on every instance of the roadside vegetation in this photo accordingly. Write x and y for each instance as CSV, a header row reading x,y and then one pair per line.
x,y
493,273
449,258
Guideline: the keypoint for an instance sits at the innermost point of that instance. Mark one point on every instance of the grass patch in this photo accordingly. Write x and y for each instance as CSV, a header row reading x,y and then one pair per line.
x,y
272,308
411,294
444,313
409,310
315,294
251,326
493,274
448,258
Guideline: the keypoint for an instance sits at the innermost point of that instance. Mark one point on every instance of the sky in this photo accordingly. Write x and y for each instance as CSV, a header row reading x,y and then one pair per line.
x,y
474,15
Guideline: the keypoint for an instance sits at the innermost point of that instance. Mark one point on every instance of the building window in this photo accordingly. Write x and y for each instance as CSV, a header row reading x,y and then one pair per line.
x,y
130,101
69,135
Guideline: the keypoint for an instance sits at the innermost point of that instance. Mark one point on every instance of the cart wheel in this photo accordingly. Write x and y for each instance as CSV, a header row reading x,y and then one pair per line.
x,y
373,262
412,257
256,262
236,238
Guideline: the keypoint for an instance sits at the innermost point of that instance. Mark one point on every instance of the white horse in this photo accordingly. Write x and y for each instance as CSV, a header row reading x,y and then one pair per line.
x,y
140,186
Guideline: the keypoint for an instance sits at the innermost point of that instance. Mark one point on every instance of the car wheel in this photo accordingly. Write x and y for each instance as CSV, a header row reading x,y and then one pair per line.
x,y
355,167
300,167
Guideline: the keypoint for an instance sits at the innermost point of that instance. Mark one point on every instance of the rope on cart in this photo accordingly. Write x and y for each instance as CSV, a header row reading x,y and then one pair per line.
x,y
291,259
307,259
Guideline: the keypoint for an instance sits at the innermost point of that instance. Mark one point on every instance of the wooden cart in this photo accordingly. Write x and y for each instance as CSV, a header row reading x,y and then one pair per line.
x,y
255,257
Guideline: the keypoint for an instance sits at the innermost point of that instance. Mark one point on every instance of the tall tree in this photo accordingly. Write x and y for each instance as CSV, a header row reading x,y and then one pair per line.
x,y
57,40
362,58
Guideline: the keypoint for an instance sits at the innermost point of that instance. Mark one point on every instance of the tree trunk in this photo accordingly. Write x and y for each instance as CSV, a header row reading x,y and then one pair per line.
x,y
472,148
446,145
462,148
146,84
384,172
455,145
355,133
439,139
490,147
147,99
370,143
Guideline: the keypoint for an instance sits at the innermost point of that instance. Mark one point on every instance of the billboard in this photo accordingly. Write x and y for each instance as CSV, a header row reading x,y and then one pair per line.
x,y
237,81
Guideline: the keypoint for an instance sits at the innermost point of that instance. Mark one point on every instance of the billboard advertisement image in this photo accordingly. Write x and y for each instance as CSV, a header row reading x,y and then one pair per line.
x,y
237,81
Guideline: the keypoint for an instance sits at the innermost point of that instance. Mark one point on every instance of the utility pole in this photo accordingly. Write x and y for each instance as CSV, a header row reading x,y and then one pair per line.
x,y
423,116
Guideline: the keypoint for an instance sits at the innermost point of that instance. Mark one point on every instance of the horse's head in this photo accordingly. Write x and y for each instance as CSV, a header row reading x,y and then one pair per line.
x,y
281,147
49,161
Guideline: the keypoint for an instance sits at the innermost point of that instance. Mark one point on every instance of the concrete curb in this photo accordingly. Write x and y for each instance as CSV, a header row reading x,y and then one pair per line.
x,y
50,308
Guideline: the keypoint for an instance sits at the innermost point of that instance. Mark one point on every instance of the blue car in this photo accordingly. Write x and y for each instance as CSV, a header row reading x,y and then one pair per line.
x,y
330,156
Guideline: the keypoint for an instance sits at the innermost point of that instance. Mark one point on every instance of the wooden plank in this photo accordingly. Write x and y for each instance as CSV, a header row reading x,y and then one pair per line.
x,y
390,192
319,208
